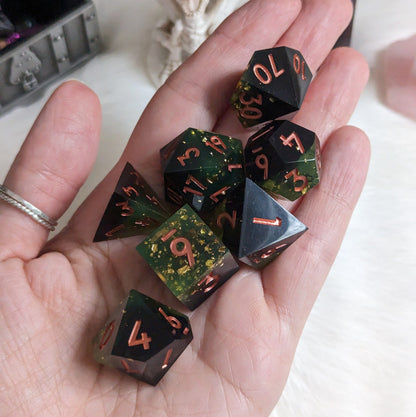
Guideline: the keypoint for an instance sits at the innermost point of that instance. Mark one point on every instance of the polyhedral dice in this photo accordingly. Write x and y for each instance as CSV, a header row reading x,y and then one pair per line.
x,y
267,228
201,168
188,257
274,84
134,208
225,219
284,159
142,338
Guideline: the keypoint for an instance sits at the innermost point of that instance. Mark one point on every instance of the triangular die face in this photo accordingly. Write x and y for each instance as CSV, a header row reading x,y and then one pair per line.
x,y
134,208
265,222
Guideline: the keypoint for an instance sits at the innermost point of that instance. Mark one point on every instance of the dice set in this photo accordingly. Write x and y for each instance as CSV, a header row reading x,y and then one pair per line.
x,y
227,211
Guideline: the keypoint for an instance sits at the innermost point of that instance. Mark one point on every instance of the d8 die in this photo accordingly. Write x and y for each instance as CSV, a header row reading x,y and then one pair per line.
x,y
284,159
133,209
274,84
188,257
267,228
201,168
142,338
225,219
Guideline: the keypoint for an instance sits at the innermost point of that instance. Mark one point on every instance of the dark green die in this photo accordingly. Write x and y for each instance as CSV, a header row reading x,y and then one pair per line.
x,y
188,257
142,338
274,84
284,159
201,168
134,208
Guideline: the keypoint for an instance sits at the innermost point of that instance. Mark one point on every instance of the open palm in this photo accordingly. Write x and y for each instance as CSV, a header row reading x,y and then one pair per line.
x,y
55,296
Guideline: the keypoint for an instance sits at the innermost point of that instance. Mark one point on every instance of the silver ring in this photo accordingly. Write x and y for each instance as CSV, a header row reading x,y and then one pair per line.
x,y
27,208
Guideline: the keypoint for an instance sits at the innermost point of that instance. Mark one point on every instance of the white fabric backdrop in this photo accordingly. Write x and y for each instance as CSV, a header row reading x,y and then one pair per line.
x,y
357,354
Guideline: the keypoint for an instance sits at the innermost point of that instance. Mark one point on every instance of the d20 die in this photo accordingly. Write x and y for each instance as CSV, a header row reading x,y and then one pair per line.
x,y
142,338
274,84
188,257
201,168
284,159
267,228
134,208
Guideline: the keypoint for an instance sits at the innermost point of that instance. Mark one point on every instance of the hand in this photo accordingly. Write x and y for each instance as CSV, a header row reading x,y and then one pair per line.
x,y
56,295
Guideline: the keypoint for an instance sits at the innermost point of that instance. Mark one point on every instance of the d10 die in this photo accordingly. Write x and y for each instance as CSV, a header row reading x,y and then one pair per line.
x,y
267,228
188,257
134,208
274,84
142,338
201,168
284,159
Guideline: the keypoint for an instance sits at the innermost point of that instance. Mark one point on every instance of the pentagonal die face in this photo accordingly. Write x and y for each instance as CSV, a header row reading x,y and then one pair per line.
x,y
274,84
284,159
201,168
142,338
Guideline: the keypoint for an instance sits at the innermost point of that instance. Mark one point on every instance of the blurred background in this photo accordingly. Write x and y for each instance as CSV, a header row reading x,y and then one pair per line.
x,y
356,357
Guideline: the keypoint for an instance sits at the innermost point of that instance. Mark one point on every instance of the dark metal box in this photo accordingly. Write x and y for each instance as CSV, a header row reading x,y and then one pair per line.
x,y
57,48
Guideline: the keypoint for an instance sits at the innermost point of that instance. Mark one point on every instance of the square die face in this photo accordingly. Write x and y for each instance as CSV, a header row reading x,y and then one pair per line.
x,y
184,252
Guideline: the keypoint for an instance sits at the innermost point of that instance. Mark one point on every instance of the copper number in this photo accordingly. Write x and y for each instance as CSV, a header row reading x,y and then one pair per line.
x,y
296,177
144,339
127,210
250,112
115,230
287,141
107,334
263,74
174,196
210,281
214,142
167,357
130,190
173,321
298,66
263,163
187,155
186,250
190,179
268,222
217,193
232,219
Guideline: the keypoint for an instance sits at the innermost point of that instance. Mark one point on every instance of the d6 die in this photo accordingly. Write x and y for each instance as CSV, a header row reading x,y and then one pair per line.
x,y
274,84
188,257
284,159
201,168
142,338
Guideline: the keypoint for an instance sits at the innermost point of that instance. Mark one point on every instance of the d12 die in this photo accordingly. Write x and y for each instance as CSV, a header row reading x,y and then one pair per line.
x,y
188,257
274,84
201,168
284,159
267,228
134,208
142,338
